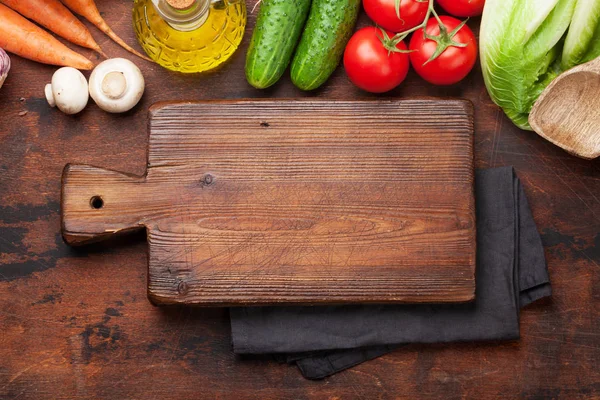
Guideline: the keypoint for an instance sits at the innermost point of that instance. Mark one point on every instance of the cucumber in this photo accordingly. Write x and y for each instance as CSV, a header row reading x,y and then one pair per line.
x,y
329,27
276,34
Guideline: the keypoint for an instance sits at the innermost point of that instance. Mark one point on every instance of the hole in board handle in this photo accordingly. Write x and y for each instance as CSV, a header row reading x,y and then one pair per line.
x,y
96,202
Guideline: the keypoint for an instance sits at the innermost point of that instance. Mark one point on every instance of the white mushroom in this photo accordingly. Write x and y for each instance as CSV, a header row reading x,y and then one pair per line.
x,y
68,90
116,85
4,66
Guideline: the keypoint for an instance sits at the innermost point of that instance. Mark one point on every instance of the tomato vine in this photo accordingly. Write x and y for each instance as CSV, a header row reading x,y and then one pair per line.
x,y
444,39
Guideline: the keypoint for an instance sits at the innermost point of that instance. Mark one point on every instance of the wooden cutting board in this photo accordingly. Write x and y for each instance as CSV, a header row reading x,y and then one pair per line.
x,y
294,201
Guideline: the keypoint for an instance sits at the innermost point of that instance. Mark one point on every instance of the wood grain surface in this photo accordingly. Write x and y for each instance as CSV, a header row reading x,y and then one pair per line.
x,y
77,323
294,201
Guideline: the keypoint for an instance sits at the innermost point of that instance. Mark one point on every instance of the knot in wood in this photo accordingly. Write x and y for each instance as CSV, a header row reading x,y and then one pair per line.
x,y
183,288
208,179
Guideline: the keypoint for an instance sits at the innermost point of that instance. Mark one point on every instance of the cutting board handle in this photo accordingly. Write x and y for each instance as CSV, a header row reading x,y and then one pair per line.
x,y
98,203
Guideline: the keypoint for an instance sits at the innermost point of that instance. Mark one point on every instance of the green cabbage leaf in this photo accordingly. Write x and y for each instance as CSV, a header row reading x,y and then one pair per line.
x,y
525,44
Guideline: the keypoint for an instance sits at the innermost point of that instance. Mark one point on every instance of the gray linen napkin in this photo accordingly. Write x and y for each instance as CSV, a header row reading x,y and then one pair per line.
x,y
511,273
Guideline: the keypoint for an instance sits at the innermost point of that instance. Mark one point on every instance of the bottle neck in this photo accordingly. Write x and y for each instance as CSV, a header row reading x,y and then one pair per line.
x,y
183,15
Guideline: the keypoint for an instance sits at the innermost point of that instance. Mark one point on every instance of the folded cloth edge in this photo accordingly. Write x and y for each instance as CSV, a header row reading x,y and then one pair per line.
x,y
319,364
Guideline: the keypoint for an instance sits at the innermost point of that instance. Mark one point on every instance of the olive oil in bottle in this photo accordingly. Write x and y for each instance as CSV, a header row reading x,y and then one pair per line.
x,y
189,35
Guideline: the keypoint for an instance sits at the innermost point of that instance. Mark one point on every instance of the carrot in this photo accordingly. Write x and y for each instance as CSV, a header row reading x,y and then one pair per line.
x,y
23,38
53,15
88,10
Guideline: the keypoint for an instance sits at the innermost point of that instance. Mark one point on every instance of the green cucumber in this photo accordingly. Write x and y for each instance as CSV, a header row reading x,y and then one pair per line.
x,y
329,27
276,34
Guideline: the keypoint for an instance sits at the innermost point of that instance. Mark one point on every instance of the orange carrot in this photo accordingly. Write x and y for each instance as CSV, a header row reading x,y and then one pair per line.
x,y
53,15
23,38
88,10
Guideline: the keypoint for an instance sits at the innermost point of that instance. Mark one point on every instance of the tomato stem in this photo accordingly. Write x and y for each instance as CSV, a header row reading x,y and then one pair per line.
x,y
397,5
443,40
430,9
390,43
437,17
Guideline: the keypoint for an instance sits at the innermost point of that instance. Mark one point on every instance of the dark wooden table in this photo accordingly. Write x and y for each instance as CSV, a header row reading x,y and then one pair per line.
x,y
76,322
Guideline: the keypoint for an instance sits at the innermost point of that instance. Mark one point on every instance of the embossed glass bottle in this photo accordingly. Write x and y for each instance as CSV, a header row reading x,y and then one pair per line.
x,y
189,35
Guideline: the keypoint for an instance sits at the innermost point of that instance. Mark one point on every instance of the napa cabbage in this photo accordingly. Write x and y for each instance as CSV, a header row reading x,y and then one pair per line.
x,y
525,44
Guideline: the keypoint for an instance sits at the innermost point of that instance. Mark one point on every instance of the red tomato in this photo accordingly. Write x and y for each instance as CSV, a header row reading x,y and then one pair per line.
x,y
371,66
463,8
383,13
454,63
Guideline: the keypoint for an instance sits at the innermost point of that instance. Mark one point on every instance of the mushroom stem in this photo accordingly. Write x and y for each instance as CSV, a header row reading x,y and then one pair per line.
x,y
114,85
49,95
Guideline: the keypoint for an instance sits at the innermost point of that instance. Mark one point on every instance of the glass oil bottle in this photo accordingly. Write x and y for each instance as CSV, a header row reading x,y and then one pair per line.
x,y
189,35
